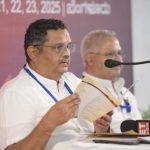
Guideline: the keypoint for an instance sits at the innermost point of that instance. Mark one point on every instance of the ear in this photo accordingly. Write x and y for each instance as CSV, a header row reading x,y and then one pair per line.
x,y
32,53
89,59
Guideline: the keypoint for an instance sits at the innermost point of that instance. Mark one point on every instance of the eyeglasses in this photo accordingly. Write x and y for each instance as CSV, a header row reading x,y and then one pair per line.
x,y
110,55
60,47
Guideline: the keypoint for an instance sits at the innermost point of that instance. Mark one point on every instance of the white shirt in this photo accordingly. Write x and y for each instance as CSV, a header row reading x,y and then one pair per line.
x,y
23,102
120,114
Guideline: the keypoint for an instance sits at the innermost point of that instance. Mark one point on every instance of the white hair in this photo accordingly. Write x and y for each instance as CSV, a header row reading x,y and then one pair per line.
x,y
89,42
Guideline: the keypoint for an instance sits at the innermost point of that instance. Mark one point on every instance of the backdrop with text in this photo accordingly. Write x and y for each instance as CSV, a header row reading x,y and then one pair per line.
x,y
80,18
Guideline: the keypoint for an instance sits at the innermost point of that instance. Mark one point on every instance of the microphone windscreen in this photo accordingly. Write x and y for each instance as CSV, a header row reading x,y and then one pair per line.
x,y
110,63
139,126
128,125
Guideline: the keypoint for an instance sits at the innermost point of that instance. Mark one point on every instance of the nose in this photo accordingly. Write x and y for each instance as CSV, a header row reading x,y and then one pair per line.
x,y
66,51
118,57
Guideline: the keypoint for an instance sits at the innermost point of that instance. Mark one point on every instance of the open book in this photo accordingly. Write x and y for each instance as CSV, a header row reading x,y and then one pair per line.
x,y
96,100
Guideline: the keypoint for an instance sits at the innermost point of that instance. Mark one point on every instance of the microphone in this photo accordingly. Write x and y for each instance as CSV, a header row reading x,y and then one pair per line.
x,y
141,127
110,63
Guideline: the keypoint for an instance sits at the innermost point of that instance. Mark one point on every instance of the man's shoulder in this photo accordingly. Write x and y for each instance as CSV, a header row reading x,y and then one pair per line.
x,y
21,80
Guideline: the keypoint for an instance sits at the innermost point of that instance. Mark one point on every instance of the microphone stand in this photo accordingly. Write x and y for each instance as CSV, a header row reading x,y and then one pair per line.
x,y
110,63
134,63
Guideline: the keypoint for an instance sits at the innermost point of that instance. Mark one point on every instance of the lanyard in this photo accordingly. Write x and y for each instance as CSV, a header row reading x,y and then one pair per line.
x,y
46,90
126,105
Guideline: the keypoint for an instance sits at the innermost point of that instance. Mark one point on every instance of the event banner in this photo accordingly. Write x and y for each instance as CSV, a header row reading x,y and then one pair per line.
x,y
80,16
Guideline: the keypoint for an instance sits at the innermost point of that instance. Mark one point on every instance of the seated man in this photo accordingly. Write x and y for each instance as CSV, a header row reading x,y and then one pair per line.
x,y
96,47
37,107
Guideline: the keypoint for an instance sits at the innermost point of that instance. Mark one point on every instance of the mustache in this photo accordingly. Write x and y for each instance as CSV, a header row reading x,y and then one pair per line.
x,y
65,59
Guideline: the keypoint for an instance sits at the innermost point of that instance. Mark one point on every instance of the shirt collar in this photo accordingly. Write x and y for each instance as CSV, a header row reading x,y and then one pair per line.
x,y
46,81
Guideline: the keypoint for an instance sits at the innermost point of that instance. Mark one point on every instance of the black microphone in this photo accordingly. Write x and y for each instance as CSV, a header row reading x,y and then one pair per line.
x,y
141,127
110,63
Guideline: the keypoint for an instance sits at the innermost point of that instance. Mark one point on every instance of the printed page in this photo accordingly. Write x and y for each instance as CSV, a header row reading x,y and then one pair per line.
x,y
96,101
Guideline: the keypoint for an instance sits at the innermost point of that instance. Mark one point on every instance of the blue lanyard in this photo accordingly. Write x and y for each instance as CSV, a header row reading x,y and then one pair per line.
x,y
46,90
126,105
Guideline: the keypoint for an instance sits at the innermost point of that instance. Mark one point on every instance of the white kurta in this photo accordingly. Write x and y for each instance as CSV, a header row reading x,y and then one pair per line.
x,y
23,102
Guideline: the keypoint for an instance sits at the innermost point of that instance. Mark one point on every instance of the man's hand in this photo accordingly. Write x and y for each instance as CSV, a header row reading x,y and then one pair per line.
x,y
61,112
102,124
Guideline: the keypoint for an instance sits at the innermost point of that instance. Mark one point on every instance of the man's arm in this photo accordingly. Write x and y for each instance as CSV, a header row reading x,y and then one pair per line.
x,y
40,135
36,139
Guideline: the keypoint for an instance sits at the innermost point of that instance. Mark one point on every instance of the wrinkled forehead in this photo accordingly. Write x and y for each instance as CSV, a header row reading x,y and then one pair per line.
x,y
107,44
